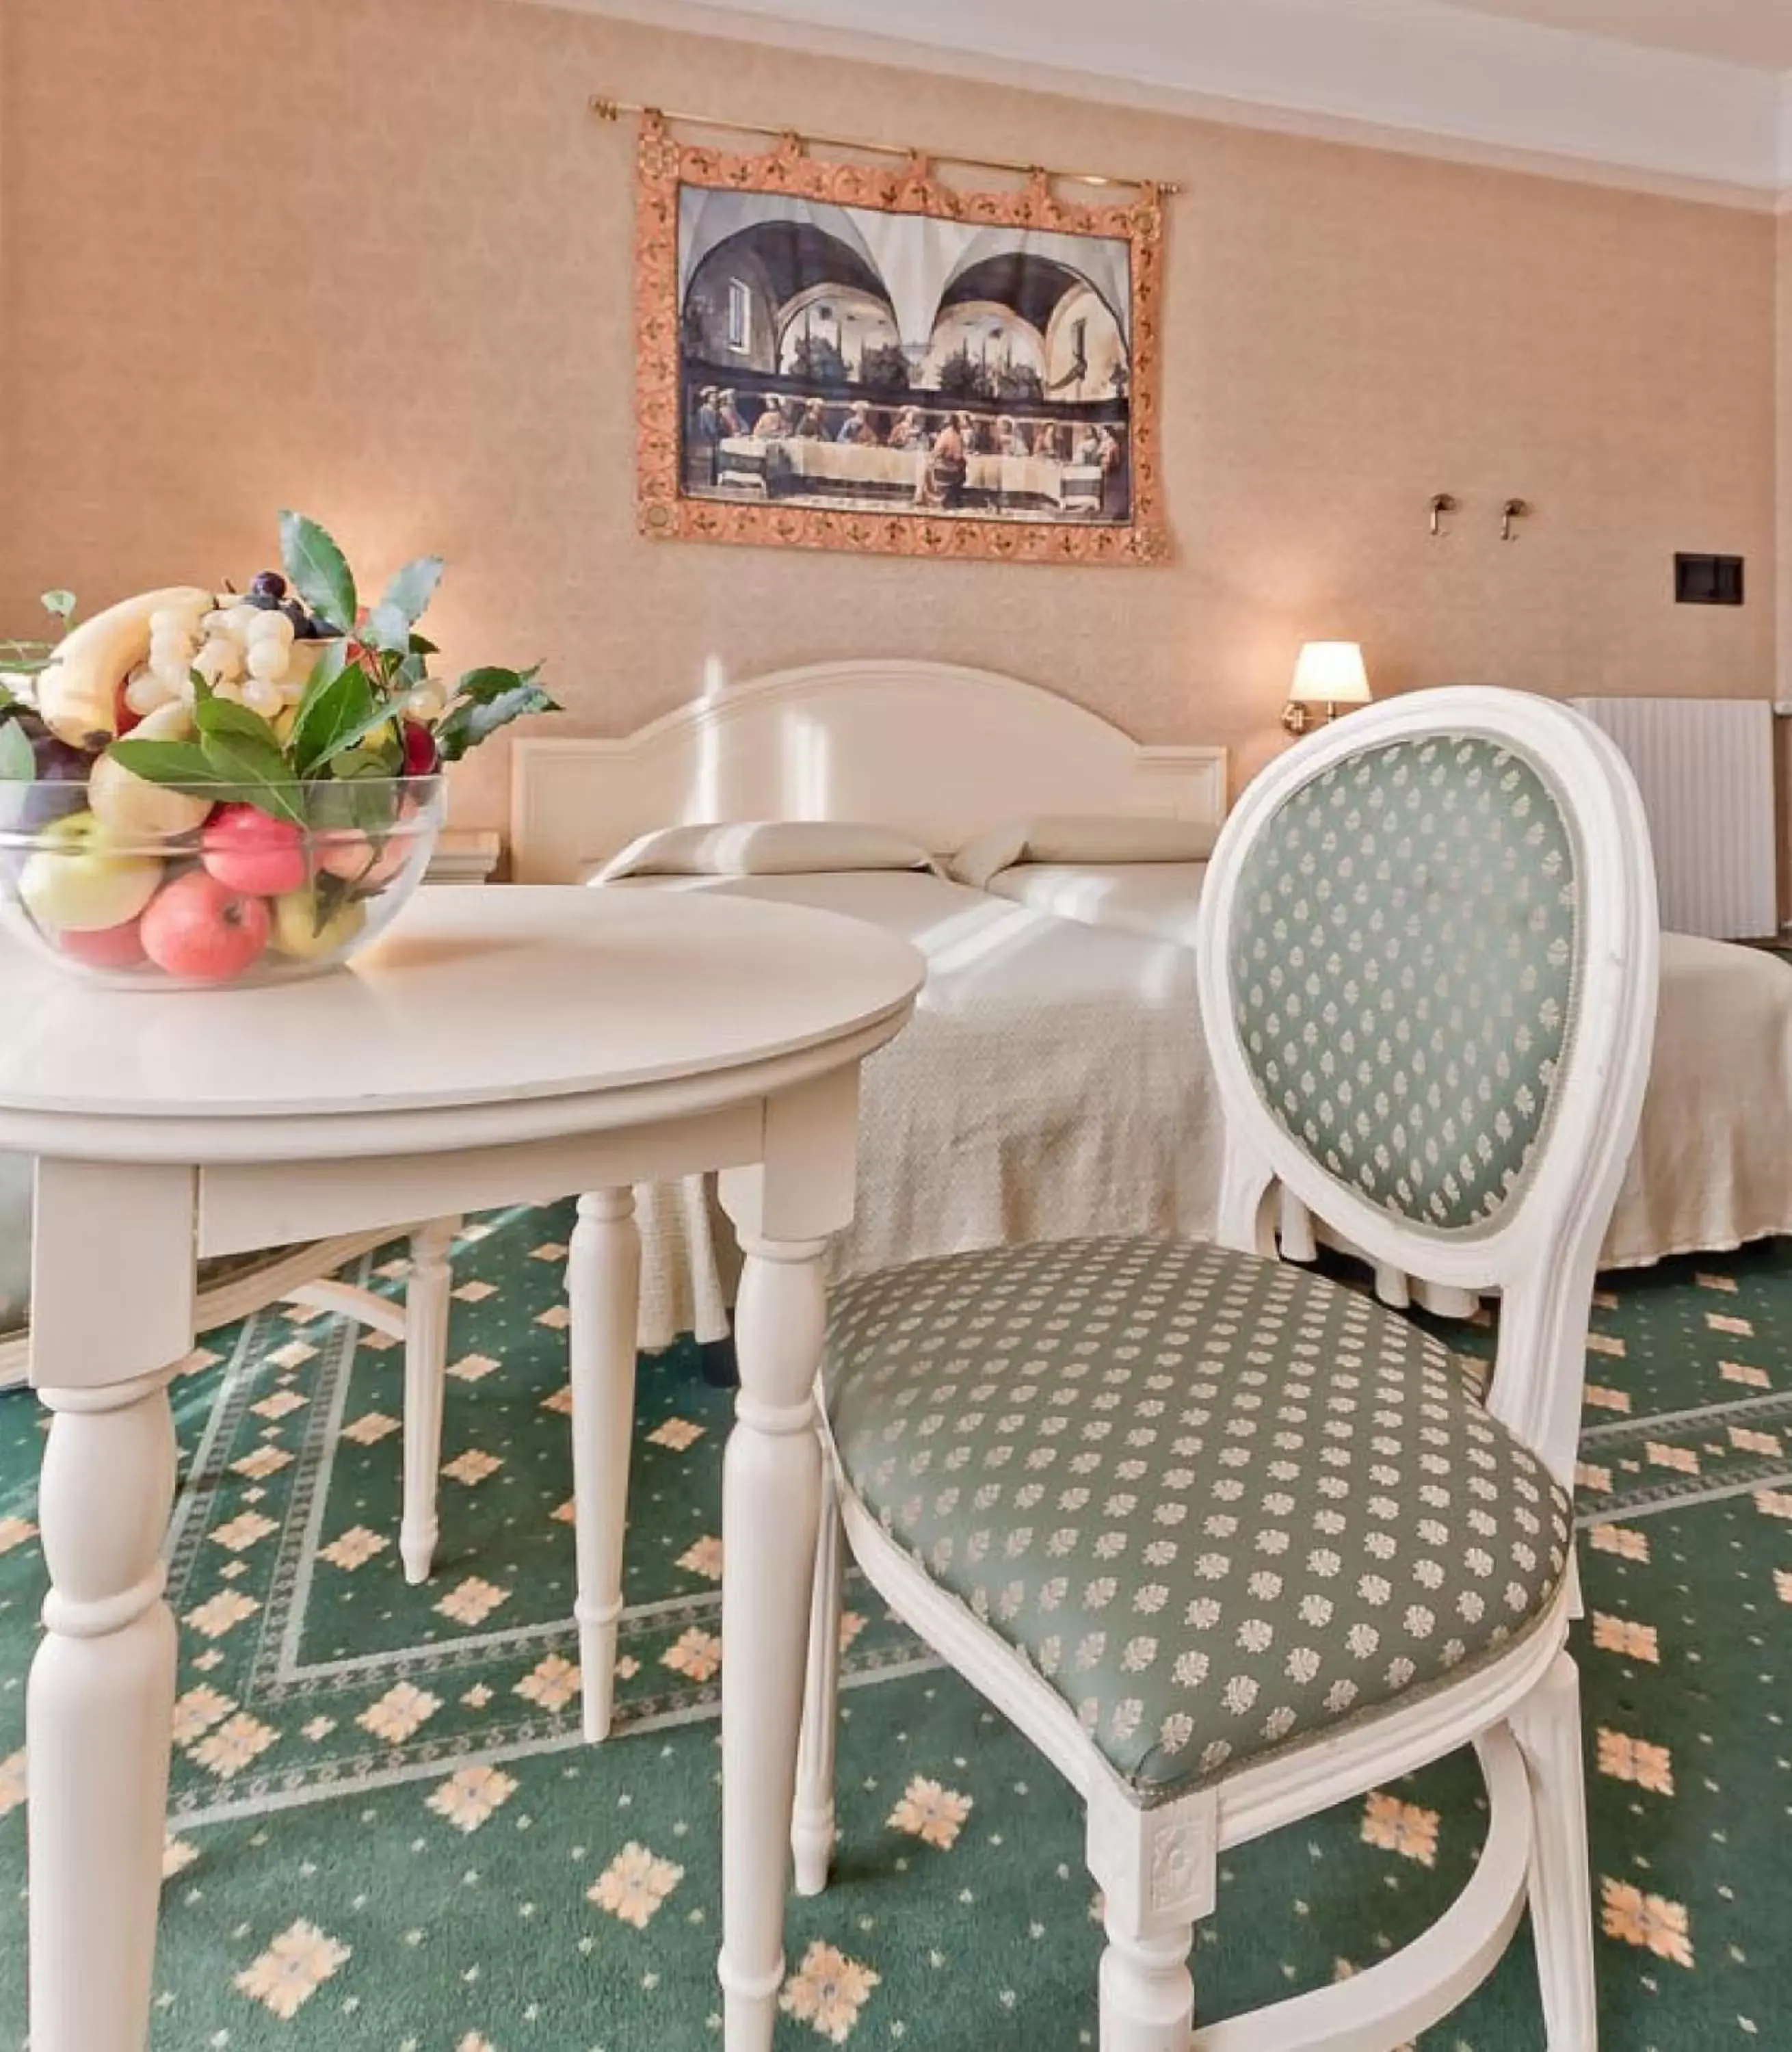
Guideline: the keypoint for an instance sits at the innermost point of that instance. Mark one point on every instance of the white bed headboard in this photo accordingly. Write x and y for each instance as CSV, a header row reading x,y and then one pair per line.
x,y
942,751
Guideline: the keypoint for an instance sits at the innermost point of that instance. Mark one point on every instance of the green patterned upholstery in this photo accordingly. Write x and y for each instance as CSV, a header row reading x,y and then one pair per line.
x,y
1219,1504
1403,955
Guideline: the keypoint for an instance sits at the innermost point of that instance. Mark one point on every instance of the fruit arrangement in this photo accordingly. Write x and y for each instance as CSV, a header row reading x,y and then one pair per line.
x,y
223,787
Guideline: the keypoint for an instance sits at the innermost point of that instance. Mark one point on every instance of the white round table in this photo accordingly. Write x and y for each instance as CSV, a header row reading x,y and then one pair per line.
x,y
497,1047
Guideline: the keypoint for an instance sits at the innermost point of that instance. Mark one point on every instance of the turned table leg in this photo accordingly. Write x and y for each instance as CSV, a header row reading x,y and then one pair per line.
x,y
426,1330
99,1706
99,1710
785,1213
771,1506
603,1285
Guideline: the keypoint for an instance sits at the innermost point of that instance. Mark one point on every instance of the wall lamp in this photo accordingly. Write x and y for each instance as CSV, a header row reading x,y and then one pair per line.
x,y
1329,674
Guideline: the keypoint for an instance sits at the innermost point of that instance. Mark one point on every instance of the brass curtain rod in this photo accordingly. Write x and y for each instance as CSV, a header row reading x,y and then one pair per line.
x,y
613,110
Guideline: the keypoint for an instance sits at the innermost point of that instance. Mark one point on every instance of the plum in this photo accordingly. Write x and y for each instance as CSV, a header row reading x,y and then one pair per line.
x,y
59,784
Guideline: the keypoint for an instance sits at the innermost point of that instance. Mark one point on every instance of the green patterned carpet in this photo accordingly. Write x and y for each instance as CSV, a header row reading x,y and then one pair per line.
x,y
386,1833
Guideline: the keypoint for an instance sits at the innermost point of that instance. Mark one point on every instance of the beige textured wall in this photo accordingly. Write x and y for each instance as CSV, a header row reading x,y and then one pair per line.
x,y
1783,587
382,273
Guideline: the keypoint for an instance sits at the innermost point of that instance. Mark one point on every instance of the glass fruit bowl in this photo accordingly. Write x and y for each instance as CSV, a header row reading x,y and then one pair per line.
x,y
192,887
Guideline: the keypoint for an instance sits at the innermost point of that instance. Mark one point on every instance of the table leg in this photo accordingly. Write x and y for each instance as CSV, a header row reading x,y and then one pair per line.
x,y
99,1712
771,1504
426,1332
603,1285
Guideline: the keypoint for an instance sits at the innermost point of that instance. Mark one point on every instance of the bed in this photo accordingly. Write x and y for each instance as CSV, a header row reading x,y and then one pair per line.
x,y
1712,1167
1054,1079
946,754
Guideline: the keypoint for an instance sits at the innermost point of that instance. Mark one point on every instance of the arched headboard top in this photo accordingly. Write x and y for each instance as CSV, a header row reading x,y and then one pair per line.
x,y
940,750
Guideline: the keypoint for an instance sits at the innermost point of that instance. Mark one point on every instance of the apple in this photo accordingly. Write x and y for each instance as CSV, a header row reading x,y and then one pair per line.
x,y
78,879
252,851
297,933
106,947
198,928
353,857
135,810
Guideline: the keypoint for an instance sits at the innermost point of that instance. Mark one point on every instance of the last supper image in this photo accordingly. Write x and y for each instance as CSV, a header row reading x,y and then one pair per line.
x,y
847,357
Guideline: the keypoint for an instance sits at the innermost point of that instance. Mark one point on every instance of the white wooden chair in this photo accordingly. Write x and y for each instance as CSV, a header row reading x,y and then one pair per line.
x,y
421,1322
1229,1543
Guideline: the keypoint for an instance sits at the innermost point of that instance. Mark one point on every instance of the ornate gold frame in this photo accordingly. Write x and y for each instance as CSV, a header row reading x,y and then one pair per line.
x,y
666,513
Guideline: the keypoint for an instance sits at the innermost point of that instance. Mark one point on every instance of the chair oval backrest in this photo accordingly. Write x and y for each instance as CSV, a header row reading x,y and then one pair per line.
x,y
1427,961
1404,954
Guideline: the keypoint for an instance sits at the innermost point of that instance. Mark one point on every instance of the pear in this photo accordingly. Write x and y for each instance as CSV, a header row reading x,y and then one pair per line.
x,y
77,694
135,811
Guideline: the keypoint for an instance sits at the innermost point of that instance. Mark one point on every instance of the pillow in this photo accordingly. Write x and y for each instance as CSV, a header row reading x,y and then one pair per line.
x,y
1082,837
766,848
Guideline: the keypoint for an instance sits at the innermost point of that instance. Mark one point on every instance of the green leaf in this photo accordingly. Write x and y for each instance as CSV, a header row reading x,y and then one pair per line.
x,y
484,700
327,715
381,710
412,588
387,628
318,570
329,894
324,672
223,716
263,773
18,759
422,645
371,796
61,603
166,762
27,657
358,764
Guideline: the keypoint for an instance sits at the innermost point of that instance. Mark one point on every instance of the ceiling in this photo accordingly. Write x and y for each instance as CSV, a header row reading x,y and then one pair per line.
x,y
1748,32
1696,93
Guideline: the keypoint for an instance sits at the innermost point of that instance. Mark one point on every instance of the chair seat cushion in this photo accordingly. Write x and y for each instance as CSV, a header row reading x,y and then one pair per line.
x,y
1219,1504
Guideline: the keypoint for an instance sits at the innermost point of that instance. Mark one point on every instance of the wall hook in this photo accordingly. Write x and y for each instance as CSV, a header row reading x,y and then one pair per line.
x,y
1442,503
1514,509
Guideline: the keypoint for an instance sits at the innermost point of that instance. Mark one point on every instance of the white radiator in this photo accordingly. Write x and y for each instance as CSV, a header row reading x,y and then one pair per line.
x,y
1705,767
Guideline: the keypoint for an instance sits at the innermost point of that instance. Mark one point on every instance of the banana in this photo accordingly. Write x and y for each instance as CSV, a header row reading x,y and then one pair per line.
x,y
77,694
137,812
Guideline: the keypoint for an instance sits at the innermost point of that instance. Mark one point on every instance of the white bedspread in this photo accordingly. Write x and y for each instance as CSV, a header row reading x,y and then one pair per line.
x,y
1712,1167
1053,1081
1158,899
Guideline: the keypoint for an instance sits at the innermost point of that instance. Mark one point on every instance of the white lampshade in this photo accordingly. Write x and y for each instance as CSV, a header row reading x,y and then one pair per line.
x,y
1331,673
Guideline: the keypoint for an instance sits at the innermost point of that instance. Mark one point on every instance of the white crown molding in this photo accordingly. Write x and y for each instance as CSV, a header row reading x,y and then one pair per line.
x,y
1415,76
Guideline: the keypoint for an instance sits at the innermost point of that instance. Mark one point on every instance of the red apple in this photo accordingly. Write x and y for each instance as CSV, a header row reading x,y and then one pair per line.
x,y
199,928
352,857
251,851
105,947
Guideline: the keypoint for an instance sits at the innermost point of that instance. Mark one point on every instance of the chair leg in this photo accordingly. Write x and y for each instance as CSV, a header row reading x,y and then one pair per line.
x,y
811,1824
1147,1995
1547,1725
1158,1870
426,1326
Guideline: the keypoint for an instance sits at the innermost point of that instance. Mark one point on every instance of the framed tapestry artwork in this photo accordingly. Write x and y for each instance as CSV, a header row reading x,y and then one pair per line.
x,y
837,355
